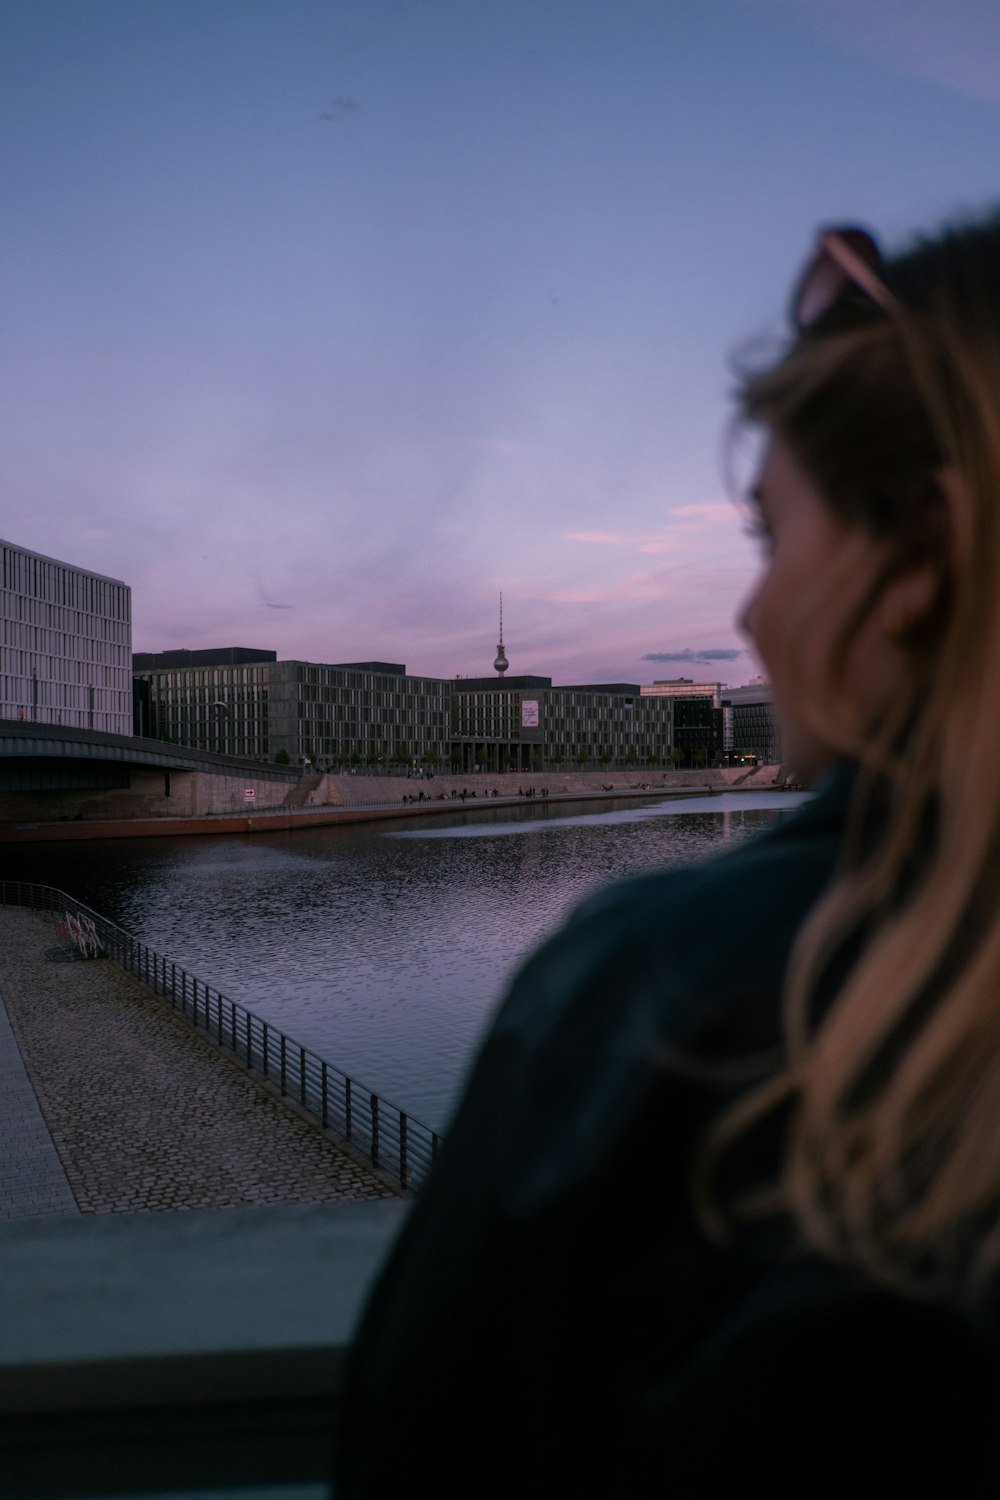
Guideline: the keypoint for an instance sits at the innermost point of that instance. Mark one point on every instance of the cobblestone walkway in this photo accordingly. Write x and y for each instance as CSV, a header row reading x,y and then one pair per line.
x,y
144,1113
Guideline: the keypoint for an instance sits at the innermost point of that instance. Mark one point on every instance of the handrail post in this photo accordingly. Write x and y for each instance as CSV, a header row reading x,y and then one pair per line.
x,y
374,1152
402,1149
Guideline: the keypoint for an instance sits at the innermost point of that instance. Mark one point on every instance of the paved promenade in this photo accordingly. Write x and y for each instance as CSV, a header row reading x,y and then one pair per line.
x,y
109,1103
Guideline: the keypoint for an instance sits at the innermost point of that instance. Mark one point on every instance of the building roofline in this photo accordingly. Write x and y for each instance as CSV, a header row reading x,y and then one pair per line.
x,y
60,562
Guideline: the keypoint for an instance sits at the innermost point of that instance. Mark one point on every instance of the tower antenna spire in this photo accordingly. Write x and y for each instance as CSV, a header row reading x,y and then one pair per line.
x,y
501,663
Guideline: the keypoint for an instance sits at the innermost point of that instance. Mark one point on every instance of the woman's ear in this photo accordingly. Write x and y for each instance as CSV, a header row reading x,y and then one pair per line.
x,y
916,594
955,532
910,601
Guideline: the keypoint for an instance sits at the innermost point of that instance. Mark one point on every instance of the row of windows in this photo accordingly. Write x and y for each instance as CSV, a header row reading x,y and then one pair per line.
x,y
41,578
27,694
236,698
199,678
54,668
21,613
209,712
107,721
80,650
381,682
573,738
344,723
586,723
342,712
366,698
328,747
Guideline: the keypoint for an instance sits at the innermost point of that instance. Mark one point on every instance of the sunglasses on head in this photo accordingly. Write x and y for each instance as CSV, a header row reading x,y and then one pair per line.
x,y
844,258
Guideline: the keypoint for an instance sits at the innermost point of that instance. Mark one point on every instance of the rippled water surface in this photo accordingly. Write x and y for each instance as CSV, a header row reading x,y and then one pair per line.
x,y
385,947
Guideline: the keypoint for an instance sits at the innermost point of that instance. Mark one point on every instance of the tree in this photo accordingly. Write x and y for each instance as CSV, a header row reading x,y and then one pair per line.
x,y
558,756
582,755
606,755
282,757
677,756
456,757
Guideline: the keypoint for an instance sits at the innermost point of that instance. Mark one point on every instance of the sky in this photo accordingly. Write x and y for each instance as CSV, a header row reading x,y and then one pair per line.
x,y
323,322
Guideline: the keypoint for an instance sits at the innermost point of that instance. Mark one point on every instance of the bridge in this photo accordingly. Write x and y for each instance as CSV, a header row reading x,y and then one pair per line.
x,y
52,757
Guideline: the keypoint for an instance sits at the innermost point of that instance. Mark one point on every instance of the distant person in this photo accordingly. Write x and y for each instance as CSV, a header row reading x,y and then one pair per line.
x,y
719,1213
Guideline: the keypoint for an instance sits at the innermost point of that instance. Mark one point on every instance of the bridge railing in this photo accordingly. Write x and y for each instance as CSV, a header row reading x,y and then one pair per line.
x,y
384,1135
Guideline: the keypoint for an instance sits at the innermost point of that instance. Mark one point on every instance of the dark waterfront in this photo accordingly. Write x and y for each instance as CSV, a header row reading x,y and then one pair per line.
x,y
385,947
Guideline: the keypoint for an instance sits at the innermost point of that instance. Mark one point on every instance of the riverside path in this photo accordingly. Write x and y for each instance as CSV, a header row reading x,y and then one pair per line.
x,y
111,1103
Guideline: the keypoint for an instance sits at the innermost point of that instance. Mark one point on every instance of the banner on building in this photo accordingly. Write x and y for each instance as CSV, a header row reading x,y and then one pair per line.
x,y
529,713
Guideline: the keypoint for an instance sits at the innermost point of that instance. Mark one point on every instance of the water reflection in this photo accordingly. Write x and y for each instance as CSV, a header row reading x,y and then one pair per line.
x,y
384,947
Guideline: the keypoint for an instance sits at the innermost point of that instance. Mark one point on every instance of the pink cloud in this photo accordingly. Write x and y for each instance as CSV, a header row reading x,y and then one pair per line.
x,y
639,586
715,512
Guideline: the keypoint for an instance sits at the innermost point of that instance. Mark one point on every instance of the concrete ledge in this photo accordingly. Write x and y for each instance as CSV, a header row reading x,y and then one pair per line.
x,y
179,1350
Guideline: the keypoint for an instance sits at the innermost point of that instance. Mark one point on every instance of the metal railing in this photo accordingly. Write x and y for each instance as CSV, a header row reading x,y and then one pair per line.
x,y
384,1135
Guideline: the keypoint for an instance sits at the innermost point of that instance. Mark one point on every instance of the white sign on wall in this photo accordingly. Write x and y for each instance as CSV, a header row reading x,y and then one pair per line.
x,y
529,713
249,794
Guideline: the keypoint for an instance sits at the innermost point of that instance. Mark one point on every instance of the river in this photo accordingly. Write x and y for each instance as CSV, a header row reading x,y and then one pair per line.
x,y
385,947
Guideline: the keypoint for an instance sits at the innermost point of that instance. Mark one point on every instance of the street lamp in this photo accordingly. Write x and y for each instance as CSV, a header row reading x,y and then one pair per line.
x,y
218,703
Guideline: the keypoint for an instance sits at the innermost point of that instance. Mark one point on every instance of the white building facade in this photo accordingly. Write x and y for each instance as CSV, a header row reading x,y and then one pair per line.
x,y
65,644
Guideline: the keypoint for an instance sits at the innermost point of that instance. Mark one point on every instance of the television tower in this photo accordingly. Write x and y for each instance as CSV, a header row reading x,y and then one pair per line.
x,y
501,663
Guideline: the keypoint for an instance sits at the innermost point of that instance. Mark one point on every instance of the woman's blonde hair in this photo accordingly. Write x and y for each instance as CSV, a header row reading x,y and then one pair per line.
x,y
893,1086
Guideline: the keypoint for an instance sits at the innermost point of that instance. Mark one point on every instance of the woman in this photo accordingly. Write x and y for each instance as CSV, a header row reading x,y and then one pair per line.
x,y
721,1207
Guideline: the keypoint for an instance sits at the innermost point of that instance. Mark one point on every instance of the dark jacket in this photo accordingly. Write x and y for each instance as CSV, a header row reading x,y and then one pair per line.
x,y
553,1320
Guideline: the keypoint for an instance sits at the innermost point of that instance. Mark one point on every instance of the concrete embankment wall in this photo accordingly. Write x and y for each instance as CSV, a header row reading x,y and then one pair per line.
x,y
151,794
209,804
344,789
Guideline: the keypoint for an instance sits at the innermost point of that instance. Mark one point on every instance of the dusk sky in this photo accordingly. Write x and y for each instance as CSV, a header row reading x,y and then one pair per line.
x,y
324,321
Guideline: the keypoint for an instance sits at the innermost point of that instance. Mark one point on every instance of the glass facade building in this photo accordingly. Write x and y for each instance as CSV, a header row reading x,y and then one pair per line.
x,y
526,724
65,644
211,700
241,702
750,726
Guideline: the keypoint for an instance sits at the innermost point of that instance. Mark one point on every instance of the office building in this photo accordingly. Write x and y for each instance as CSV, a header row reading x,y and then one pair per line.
x,y
750,729
374,714
240,701
525,723
65,644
